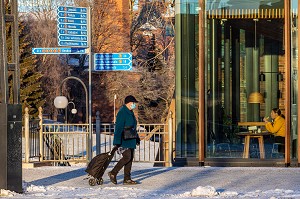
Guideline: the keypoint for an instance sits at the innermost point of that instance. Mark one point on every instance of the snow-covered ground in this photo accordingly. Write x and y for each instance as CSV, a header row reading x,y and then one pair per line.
x,y
163,182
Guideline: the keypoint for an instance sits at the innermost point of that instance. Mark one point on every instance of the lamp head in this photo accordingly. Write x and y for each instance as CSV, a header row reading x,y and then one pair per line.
x,y
74,111
256,98
60,102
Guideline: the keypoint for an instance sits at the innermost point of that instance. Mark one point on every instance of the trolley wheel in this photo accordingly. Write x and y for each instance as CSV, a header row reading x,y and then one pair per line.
x,y
92,182
99,181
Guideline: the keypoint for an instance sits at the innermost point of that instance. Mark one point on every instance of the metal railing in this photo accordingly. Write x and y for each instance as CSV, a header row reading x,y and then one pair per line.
x,y
31,130
68,143
64,143
152,146
34,129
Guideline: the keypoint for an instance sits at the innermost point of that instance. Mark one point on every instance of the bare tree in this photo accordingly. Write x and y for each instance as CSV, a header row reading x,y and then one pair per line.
x,y
152,39
152,79
111,34
115,29
41,19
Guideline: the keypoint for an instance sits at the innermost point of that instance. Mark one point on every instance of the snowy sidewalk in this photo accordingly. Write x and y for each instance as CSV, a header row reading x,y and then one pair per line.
x,y
163,182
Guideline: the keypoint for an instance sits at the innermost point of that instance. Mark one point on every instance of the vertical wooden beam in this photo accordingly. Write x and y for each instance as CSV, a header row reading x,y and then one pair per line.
x,y
298,99
243,13
201,73
287,106
223,15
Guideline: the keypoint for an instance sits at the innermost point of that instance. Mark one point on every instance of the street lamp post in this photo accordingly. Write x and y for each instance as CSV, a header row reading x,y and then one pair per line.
x,y
62,101
64,104
115,97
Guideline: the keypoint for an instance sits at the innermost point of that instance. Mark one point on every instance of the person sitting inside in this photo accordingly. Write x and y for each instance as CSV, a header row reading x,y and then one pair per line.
x,y
277,127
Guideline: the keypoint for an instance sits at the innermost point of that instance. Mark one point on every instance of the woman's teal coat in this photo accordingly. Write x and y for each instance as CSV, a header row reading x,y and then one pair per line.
x,y
125,117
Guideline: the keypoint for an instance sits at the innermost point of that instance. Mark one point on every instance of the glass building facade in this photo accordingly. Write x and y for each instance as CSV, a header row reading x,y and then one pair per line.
x,y
226,50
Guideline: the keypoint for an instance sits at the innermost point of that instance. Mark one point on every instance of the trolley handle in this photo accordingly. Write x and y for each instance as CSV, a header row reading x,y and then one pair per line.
x,y
114,149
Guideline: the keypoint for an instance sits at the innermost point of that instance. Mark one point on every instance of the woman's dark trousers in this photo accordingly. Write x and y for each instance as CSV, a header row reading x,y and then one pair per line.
x,y
281,147
125,161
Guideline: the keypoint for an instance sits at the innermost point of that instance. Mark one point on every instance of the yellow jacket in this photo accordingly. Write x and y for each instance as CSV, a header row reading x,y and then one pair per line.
x,y
278,127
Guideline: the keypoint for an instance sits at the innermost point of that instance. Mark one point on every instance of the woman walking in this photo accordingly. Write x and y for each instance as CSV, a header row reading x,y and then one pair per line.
x,y
125,123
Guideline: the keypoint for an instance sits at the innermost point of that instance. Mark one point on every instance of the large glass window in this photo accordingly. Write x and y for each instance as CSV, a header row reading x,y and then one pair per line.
x,y
245,55
294,77
187,78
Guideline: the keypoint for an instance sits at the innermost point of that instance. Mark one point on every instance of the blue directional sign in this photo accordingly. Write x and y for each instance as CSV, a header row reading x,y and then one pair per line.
x,y
72,26
72,15
59,50
64,20
72,9
113,56
112,67
72,38
72,43
112,61
71,32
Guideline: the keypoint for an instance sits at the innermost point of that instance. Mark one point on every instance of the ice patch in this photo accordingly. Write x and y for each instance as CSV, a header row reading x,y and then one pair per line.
x,y
119,188
33,188
228,194
204,191
8,193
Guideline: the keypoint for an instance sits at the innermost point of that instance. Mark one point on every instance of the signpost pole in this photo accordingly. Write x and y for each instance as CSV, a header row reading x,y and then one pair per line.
x,y
90,152
74,31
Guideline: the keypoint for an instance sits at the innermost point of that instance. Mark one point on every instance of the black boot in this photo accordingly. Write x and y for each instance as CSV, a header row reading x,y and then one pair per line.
x,y
129,182
112,177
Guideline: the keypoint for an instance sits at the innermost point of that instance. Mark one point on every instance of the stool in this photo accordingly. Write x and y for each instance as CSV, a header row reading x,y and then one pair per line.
x,y
275,151
223,148
254,151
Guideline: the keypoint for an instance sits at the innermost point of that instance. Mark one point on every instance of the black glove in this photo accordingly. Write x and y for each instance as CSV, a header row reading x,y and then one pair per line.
x,y
138,140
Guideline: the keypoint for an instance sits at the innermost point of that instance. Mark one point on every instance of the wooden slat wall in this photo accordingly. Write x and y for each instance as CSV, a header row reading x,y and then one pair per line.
x,y
245,13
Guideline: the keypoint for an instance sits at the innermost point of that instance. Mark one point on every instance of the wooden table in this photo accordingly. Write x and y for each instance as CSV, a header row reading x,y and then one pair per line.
x,y
251,123
260,137
248,135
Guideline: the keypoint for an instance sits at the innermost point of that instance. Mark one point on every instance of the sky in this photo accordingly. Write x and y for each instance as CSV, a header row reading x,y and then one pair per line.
x,y
162,182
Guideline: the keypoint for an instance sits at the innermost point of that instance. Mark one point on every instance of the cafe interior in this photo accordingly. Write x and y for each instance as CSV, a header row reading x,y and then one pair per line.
x,y
235,61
